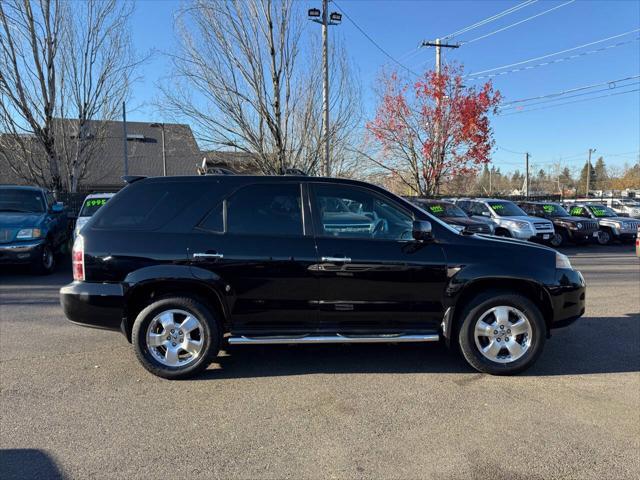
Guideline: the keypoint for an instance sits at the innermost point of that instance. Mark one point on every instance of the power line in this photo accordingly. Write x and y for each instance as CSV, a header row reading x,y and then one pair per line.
x,y
491,19
542,57
517,23
610,83
387,54
567,103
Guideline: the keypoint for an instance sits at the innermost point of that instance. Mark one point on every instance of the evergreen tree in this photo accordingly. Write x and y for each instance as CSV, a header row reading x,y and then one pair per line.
x,y
600,172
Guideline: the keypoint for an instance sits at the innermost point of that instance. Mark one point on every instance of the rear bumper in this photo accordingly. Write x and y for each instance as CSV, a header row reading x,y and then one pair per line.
x,y
567,297
17,253
97,305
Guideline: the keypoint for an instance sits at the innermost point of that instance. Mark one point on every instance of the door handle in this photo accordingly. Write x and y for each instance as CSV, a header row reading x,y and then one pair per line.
x,y
336,259
208,255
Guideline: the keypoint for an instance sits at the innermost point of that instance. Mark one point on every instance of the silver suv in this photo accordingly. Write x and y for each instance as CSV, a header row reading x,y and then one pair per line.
x,y
511,220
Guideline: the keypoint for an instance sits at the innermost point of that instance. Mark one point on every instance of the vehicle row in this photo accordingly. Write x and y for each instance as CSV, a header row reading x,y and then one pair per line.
x,y
545,222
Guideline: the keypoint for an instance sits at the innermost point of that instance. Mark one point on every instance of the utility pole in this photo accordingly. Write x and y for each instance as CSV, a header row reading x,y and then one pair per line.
x,y
164,152
333,18
591,150
490,175
438,46
526,178
124,138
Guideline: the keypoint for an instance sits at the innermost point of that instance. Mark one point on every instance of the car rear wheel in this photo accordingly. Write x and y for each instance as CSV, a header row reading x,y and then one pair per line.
x,y
501,333
45,263
176,337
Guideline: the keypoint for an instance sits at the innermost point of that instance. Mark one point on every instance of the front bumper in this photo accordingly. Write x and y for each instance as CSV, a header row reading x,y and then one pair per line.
x,y
583,235
97,305
17,253
567,297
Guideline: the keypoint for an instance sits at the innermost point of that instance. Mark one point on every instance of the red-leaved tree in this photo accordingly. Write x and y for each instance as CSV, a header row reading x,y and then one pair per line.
x,y
433,130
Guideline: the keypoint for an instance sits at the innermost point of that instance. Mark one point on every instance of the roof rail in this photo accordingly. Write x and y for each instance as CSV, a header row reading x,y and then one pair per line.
x,y
129,179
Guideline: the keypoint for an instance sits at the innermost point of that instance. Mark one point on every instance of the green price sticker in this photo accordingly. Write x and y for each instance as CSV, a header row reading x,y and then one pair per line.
x,y
599,212
548,208
576,211
96,202
436,208
497,206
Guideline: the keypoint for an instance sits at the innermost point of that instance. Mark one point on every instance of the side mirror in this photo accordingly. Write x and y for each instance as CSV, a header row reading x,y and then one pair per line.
x,y
57,207
422,230
486,214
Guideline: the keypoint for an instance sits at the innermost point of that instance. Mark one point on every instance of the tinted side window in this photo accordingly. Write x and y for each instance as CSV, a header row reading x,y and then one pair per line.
x,y
358,213
214,222
264,209
148,205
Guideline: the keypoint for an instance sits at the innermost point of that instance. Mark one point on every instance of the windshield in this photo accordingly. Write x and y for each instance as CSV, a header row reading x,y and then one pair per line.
x,y
553,210
443,209
91,206
507,209
21,200
602,211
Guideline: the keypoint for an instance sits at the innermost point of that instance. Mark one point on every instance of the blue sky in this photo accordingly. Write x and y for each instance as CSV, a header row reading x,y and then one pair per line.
x,y
610,124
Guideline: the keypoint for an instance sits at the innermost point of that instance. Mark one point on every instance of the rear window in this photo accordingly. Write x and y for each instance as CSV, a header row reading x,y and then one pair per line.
x,y
91,206
148,205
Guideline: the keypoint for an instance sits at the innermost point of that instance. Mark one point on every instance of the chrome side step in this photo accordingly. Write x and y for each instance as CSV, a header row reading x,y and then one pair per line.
x,y
337,338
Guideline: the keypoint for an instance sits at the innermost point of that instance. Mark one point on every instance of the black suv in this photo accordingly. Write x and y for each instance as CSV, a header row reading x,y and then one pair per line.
x,y
568,228
182,265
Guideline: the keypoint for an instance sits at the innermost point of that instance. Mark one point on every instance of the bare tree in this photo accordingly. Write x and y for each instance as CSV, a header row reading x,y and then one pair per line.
x,y
240,78
29,54
98,65
51,137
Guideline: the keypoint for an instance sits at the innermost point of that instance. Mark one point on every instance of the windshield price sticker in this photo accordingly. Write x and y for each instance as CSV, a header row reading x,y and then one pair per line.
x,y
436,208
576,211
599,212
497,206
548,208
95,202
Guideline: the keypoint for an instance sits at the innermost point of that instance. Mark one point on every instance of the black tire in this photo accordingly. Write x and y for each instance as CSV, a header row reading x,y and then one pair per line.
x,y
558,239
604,237
211,336
45,264
502,232
473,311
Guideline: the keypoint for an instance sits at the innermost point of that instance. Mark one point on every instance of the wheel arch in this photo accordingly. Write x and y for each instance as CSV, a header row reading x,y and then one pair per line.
x,y
530,289
148,284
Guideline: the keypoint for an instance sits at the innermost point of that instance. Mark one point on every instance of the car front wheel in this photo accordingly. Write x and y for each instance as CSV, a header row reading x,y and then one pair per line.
x,y
501,333
45,262
176,337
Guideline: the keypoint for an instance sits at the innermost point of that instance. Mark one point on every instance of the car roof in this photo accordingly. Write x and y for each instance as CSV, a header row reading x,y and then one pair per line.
x,y
432,200
24,187
100,195
491,200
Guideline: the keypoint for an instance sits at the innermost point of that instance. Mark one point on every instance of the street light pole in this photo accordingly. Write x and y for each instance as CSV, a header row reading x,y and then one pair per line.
x,y
591,150
326,19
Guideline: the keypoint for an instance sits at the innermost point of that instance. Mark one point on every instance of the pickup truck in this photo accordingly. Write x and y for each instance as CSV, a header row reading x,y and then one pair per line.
x,y
34,228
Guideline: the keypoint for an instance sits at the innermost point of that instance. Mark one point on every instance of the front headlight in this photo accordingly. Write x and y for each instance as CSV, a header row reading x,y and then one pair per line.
x,y
28,233
521,224
562,261
460,228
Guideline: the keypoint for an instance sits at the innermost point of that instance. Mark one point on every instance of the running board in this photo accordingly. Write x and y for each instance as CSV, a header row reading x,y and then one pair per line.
x,y
337,338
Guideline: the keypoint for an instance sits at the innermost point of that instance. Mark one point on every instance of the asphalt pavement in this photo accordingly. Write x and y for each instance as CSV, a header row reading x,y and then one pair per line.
x,y
75,403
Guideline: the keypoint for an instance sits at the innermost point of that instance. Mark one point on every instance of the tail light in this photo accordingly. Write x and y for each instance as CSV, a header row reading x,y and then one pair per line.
x,y
77,259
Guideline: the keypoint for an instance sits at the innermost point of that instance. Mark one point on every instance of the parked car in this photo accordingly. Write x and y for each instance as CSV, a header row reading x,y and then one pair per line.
x,y
624,207
638,242
567,228
511,220
612,227
90,206
34,228
453,215
182,264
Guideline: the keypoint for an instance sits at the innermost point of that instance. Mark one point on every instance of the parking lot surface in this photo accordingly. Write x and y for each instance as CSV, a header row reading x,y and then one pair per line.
x,y
75,402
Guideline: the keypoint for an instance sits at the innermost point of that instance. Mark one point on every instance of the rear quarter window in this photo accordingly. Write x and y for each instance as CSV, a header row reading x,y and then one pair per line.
x,y
148,206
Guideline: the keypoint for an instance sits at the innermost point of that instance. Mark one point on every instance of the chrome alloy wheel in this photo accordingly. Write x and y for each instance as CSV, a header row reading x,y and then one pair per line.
x,y
503,334
175,338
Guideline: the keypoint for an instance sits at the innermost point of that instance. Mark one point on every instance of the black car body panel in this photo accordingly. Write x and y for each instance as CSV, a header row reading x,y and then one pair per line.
x,y
39,213
305,279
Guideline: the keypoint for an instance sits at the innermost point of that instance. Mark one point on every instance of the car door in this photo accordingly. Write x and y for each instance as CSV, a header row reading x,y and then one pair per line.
x,y
372,275
257,242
